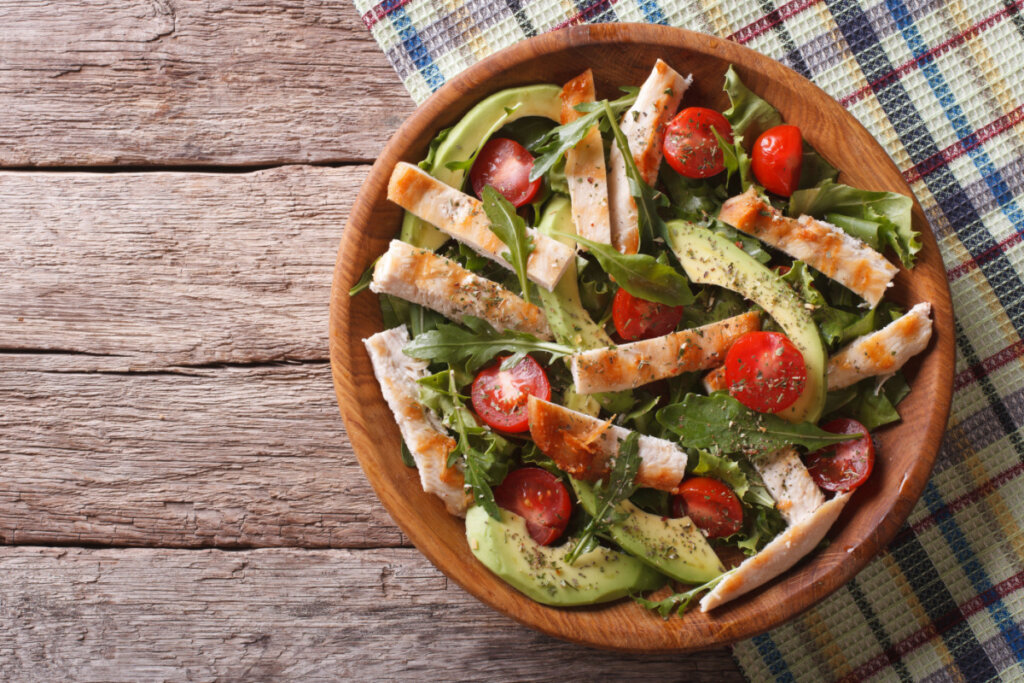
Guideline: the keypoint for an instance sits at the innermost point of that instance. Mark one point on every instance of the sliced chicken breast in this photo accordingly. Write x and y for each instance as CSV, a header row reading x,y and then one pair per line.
x,y
463,217
583,446
795,493
779,555
631,365
715,380
882,352
821,245
421,429
584,167
442,285
644,128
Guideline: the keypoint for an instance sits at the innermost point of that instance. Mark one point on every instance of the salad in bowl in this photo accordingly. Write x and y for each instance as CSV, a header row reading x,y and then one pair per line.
x,y
640,344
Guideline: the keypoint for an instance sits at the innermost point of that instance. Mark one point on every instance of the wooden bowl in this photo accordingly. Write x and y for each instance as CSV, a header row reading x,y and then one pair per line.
x,y
623,54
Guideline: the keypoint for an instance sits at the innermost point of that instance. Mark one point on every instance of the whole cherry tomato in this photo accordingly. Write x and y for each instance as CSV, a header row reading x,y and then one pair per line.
x,y
845,465
540,498
637,318
765,371
777,158
505,165
711,505
499,396
690,147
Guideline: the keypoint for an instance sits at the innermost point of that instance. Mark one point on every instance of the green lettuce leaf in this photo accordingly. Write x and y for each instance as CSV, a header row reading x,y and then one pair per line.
x,y
747,111
889,211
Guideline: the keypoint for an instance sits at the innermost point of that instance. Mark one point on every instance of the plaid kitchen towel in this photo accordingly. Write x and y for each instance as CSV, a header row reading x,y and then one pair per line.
x,y
940,83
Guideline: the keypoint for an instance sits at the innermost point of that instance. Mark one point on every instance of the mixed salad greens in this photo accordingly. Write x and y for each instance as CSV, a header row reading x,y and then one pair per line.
x,y
639,388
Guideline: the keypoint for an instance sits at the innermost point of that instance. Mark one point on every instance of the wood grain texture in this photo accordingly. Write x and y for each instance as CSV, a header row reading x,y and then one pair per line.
x,y
155,614
169,82
622,54
227,457
158,269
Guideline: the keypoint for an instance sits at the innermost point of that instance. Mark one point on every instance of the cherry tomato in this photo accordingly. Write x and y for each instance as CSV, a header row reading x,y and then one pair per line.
x,y
765,371
540,498
690,146
845,465
637,318
776,159
505,165
499,396
711,505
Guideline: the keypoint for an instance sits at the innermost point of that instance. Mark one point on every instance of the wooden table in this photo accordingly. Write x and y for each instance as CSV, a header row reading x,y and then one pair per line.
x,y
178,498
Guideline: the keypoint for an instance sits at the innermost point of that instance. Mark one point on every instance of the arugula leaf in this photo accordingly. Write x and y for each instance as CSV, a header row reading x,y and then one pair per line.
x,y
644,196
364,280
487,455
722,421
407,459
450,343
620,486
428,163
735,159
679,602
618,106
527,131
510,229
888,211
560,139
747,111
641,274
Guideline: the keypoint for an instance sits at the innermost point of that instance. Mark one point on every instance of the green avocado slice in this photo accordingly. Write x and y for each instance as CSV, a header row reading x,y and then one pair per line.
x,y
469,135
673,546
541,572
709,258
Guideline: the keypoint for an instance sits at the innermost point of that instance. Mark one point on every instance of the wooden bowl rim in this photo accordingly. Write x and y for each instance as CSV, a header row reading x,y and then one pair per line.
x,y
650,634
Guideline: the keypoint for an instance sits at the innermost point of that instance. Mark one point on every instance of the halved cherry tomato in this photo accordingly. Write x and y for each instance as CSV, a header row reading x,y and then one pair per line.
x,y
637,318
776,159
540,498
505,165
499,396
765,371
690,146
711,505
845,465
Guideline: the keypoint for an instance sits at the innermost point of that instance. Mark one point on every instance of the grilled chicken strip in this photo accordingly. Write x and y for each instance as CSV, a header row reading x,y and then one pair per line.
x,y
583,446
463,217
821,245
421,429
442,285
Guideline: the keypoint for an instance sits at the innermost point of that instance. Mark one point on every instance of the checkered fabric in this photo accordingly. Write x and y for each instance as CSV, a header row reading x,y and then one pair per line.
x,y
940,84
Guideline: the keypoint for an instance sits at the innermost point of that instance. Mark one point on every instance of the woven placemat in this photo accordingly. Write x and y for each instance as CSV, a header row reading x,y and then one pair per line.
x,y
940,84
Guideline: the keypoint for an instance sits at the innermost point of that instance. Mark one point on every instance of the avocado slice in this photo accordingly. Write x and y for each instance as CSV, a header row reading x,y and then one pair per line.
x,y
709,258
469,135
673,546
541,572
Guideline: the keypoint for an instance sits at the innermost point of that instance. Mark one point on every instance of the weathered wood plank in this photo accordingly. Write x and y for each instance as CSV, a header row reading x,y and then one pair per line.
x,y
171,268
98,82
229,457
154,614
